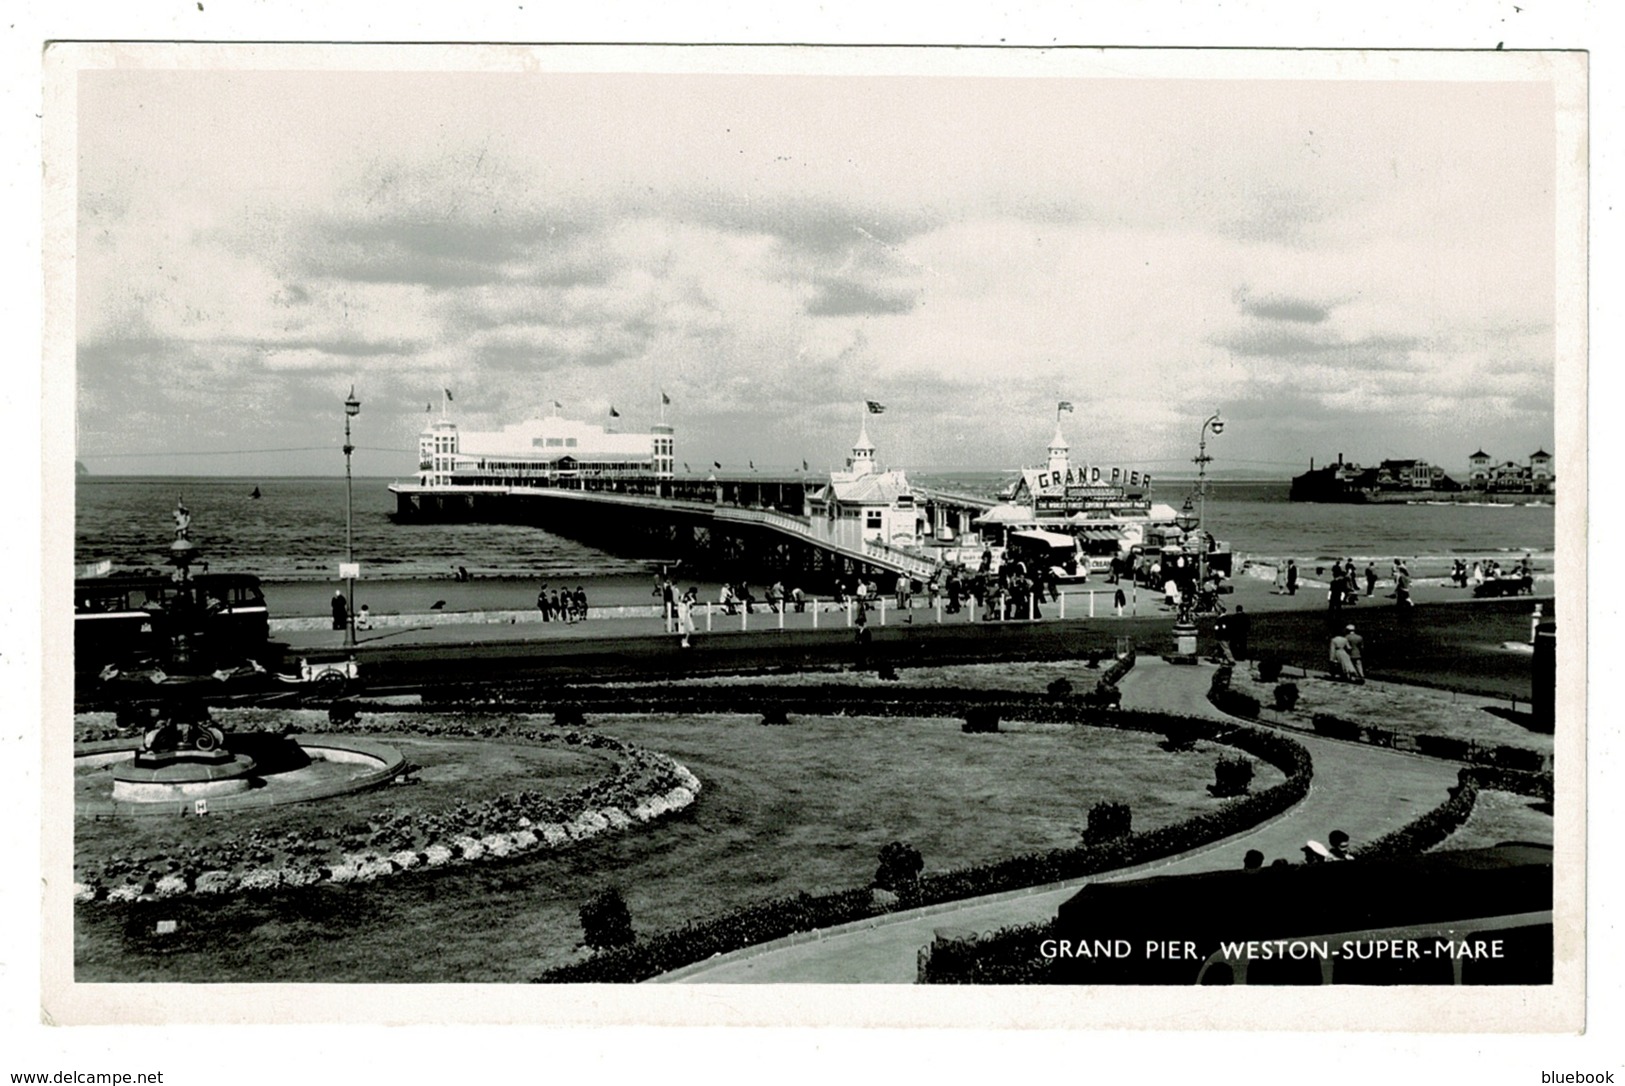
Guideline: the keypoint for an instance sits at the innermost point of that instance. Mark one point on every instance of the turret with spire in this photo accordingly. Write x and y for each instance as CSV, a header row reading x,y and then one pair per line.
x,y
862,460
1059,452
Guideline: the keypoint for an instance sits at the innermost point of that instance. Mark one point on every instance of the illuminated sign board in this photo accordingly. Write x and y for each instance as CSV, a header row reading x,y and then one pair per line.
x,y
1091,476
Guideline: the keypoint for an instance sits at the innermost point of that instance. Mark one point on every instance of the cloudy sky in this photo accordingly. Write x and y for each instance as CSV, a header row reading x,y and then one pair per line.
x,y
1365,267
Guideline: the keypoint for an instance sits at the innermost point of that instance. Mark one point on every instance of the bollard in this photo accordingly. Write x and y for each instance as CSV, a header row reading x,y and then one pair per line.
x,y
707,618
883,610
939,612
849,614
744,617
815,612
975,606
1534,624
781,616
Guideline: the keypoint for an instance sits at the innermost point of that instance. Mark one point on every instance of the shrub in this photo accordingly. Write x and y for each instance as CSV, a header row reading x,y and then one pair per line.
x,y
775,714
1528,761
900,866
981,719
1107,819
1269,669
1104,696
1060,689
1286,697
1232,776
606,921
1443,746
886,673
1234,702
1220,683
569,716
1334,727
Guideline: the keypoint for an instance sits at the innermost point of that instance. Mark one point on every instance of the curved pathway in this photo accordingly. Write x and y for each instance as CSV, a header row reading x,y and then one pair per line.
x,y
1362,790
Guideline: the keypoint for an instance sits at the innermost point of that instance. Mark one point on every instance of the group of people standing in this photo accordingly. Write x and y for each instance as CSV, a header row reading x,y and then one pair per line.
x,y
562,604
1489,569
1344,588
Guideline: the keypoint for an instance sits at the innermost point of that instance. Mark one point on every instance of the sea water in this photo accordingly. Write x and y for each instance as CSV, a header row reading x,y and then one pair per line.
x,y
295,530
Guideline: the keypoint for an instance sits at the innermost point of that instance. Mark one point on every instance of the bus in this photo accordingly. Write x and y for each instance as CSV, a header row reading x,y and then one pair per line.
x,y
136,620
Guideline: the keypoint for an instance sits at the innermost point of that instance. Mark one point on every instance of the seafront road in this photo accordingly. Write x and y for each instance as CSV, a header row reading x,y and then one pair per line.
x,y
1364,791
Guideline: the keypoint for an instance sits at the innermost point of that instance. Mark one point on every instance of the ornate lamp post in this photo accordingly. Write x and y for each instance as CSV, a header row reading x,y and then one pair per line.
x,y
352,408
1214,422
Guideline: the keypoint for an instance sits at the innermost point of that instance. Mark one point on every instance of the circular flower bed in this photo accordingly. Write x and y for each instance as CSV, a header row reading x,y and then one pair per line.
x,y
645,785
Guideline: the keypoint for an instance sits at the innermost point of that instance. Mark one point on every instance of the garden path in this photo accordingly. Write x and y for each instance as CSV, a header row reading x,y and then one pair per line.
x,y
1364,791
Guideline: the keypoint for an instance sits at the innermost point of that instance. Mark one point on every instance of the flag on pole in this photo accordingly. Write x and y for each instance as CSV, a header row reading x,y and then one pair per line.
x,y
665,400
753,465
558,406
717,464
428,407
448,395
876,408
1064,405
614,414
803,465
685,465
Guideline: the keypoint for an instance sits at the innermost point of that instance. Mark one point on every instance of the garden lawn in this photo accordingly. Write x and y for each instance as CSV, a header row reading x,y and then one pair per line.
x,y
1412,710
800,807
1503,816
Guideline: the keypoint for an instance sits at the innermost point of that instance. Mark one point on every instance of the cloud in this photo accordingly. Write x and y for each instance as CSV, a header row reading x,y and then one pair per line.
x,y
1297,310
846,298
771,251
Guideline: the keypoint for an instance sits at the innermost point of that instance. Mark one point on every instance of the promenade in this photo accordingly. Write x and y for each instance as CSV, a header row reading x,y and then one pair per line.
x,y
1448,639
1364,791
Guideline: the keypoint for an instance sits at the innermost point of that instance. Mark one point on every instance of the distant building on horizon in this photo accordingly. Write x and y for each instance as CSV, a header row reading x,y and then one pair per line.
x,y
1535,476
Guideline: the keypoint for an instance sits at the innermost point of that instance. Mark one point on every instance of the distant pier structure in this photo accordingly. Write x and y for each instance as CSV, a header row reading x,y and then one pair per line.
x,y
621,492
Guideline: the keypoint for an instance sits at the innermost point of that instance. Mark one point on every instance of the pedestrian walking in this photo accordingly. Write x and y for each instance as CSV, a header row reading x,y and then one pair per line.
x,y
1291,577
1356,644
1370,579
685,615
1342,666
341,611
1241,628
1221,633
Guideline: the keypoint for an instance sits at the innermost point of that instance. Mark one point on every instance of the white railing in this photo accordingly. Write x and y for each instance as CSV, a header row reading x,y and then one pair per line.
x,y
829,535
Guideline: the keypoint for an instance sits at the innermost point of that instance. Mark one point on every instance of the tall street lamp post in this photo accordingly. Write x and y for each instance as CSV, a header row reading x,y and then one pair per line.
x,y
352,408
1215,423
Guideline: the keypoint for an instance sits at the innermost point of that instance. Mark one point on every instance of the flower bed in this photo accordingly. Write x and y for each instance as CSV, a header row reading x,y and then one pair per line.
x,y
645,786
777,918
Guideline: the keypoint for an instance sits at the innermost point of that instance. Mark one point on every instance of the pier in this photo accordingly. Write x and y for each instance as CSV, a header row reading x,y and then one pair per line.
x,y
754,523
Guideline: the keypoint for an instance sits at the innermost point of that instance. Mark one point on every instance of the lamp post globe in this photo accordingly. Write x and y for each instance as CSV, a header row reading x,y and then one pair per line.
x,y
352,408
